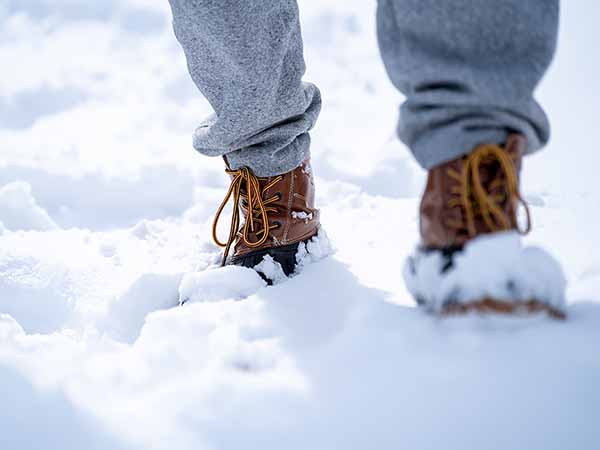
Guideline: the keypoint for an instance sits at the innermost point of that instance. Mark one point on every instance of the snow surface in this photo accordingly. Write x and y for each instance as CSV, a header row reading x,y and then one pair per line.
x,y
105,215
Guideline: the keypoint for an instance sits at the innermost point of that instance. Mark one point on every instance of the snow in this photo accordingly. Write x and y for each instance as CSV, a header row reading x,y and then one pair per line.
x,y
271,270
313,250
497,267
20,211
213,285
302,215
105,221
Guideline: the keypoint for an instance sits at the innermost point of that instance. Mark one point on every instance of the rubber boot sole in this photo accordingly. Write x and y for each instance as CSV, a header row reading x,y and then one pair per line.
x,y
492,306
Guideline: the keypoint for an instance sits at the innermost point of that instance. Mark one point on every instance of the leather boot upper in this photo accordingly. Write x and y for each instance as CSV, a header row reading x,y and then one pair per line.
x,y
473,195
270,212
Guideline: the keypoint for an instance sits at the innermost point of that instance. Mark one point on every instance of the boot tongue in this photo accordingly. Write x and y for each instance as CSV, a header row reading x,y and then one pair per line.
x,y
488,172
491,169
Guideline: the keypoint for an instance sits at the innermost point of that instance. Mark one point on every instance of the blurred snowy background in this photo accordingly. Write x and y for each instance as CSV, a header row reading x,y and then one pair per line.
x,y
104,207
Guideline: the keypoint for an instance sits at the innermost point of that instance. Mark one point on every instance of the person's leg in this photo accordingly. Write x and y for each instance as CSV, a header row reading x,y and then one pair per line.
x,y
468,69
246,57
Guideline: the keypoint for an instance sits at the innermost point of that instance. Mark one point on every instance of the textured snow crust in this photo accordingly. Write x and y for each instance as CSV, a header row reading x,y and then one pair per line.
x,y
497,266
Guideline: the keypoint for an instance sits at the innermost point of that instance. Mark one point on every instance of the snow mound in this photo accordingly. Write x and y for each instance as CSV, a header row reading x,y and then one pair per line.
x,y
33,292
223,283
20,211
150,292
496,266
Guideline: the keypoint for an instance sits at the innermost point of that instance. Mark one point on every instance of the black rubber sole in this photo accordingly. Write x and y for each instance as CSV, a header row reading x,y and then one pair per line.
x,y
285,256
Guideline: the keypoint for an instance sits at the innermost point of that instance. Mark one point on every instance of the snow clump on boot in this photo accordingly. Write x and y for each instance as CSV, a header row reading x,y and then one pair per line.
x,y
495,267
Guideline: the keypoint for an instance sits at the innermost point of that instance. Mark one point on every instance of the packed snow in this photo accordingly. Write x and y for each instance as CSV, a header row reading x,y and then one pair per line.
x,y
118,331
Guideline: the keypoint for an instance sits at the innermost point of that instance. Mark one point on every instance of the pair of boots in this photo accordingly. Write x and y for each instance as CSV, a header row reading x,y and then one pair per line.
x,y
475,195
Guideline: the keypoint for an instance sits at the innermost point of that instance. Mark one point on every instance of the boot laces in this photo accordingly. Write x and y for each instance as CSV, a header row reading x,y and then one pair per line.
x,y
478,201
247,195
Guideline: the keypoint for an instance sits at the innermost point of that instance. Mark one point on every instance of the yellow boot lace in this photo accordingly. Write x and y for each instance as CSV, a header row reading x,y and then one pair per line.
x,y
257,209
473,197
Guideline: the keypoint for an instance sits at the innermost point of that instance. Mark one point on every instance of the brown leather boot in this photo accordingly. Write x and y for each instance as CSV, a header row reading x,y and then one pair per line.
x,y
278,214
471,196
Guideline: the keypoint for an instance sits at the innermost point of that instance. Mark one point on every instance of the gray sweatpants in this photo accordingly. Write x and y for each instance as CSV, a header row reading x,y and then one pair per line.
x,y
468,69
